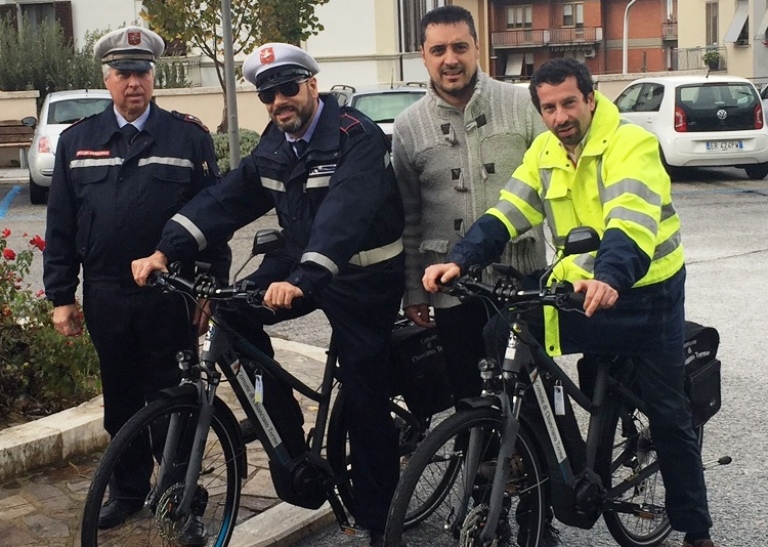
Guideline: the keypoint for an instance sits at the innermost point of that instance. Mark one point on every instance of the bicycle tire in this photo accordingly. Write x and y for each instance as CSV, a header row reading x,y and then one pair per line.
x,y
627,449
219,482
444,448
337,449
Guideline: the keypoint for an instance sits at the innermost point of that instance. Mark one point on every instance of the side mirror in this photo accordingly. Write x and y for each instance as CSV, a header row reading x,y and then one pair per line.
x,y
583,239
268,240
29,121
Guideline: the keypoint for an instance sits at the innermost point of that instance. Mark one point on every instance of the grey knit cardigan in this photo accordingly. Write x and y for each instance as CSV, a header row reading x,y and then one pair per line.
x,y
451,165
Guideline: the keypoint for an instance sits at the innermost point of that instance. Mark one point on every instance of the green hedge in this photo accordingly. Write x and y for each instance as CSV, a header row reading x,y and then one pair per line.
x,y
248,141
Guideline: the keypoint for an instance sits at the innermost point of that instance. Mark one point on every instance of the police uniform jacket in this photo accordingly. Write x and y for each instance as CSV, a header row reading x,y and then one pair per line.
x,y
338,203
107,205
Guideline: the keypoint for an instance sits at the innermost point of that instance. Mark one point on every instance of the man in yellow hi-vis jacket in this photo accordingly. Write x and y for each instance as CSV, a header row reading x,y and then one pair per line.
x,y
594,169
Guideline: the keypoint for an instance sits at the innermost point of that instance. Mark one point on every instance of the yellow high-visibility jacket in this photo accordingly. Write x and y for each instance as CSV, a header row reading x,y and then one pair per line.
x,y
619,183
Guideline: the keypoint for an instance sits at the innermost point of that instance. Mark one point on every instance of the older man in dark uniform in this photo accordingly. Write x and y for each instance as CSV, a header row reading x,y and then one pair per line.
x,y
326,170
119,176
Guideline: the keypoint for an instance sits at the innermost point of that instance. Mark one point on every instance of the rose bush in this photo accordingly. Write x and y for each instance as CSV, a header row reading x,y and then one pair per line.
x,y
40,370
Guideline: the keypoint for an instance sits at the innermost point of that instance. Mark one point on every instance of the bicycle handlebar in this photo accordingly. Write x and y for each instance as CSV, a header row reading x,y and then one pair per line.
x,y
508,292
204,286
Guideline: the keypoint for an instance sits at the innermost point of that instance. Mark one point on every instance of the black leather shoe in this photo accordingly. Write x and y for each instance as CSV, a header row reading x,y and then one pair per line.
x,y
116,511
194,534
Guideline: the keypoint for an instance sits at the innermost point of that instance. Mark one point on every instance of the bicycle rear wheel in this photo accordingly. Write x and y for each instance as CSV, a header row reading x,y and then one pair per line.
x,y
411,431
146,439
626,451
435,478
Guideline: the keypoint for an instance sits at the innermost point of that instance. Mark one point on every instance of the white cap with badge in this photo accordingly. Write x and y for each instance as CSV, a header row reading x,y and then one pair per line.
x,y
276,63
130,48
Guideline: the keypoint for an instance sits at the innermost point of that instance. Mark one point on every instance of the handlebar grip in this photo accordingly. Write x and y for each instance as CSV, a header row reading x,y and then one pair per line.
x,y
574,300
155,277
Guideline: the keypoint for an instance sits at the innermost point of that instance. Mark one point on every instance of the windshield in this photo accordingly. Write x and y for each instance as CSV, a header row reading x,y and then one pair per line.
x,y
383,107
71,110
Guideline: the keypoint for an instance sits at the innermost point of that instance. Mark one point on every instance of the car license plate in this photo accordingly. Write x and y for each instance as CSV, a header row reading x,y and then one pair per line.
x,y
724,145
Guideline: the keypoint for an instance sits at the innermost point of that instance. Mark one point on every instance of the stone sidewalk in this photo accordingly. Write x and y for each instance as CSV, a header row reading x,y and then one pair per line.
x,y
44,507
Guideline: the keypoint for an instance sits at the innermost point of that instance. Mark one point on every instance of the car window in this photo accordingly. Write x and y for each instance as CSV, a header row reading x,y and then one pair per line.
x,y
71,110
627,100
383,107
718,107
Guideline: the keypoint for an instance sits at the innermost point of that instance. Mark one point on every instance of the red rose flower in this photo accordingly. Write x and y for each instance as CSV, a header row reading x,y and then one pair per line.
x,y
6,233
38,242
8,254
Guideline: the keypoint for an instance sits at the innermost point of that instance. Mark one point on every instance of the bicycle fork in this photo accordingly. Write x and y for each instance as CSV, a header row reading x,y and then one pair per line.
x,y
176,429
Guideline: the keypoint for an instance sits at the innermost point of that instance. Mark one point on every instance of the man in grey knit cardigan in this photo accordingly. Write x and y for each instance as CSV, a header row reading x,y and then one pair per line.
x,y
453,151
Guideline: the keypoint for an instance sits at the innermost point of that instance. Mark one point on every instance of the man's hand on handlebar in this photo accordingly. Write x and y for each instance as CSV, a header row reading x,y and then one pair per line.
x,y
440,274
142,267
281,294
598,295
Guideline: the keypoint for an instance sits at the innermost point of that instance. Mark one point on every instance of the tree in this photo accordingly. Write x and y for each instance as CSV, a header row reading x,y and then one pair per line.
x,y
198,23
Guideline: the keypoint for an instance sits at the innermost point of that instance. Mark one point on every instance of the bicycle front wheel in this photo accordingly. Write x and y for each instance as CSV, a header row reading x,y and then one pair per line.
x,y
436,478
144,467
626,453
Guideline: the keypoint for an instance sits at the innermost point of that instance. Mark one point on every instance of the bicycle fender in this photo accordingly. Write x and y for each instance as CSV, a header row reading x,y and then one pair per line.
x,y
181,390
478,402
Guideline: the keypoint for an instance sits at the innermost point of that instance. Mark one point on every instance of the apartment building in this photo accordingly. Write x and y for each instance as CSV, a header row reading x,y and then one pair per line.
x,y
377,41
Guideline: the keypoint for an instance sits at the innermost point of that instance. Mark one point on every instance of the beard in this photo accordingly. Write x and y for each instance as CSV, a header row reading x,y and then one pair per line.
x,y
574,138
301,118
467,89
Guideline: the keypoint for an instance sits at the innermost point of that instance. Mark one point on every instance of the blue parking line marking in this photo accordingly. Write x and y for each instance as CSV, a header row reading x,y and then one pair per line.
x,y
8,199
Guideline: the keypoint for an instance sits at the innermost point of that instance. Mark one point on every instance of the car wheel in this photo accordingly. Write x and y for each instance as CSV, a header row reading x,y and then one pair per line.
x,y
673,172
38,195
757,172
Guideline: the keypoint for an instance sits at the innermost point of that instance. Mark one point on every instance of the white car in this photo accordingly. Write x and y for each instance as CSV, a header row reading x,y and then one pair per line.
x,y
380,104
700,121
60,110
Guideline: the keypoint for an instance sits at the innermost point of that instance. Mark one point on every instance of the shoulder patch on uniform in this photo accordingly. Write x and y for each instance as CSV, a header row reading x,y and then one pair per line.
x,y
348,123
190,118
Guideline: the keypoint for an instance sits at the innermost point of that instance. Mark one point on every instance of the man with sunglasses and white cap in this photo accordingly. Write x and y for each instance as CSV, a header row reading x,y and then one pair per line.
x,y
119,177
326,169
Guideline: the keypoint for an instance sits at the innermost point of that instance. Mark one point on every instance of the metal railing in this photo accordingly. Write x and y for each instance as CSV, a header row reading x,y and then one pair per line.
x,y
712,57
544,37
669,30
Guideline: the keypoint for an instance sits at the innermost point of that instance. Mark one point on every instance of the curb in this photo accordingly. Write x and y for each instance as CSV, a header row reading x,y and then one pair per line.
x,y
79,430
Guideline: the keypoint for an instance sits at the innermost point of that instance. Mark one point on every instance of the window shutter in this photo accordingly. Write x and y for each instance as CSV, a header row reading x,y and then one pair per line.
x,y
63,11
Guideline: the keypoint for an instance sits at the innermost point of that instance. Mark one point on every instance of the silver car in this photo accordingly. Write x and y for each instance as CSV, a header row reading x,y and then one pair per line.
x,y
60,110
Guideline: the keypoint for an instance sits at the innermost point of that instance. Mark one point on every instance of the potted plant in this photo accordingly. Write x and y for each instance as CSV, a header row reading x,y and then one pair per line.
x,y
711,58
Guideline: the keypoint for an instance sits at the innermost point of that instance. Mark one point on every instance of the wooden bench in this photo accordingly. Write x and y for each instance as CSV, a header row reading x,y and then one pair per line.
x,y
14,134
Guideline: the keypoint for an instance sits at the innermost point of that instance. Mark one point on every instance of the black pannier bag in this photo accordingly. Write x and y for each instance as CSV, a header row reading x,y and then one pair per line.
x,y
418,370
702,371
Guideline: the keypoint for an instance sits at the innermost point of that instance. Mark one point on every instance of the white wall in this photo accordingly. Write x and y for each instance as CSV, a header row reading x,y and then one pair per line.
x,y
92,15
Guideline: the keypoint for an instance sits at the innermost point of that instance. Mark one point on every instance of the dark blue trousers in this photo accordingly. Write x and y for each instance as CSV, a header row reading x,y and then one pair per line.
x,y
136,333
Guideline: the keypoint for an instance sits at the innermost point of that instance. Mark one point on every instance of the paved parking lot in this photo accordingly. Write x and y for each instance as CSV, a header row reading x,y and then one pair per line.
x,y
726,240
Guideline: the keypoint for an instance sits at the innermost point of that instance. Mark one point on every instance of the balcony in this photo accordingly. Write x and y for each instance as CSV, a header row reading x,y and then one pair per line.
x,y
669,30
550,37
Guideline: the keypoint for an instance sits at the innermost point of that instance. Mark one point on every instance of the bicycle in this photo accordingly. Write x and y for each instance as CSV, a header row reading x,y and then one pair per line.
x,y
194,445
503,462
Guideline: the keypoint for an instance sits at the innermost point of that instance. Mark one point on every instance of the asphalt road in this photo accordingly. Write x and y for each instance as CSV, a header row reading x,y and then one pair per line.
x,y
726,239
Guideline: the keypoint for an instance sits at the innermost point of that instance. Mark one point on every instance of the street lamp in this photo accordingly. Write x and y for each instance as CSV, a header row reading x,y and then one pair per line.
x,y
229,77
625,40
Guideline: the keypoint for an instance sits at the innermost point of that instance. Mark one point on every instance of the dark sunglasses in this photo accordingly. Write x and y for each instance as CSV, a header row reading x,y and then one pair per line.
x,y
287,89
